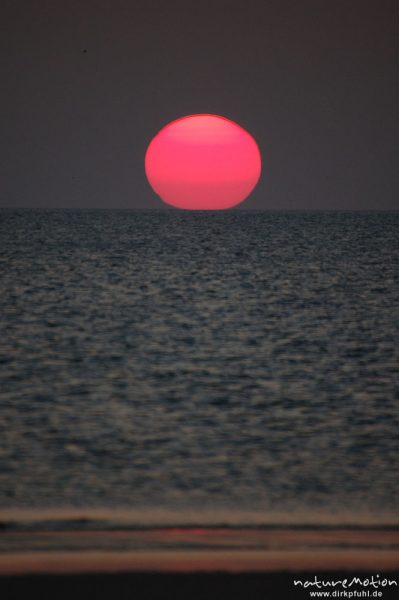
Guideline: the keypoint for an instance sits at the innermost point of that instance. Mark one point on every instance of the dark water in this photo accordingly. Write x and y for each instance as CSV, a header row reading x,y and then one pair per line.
x,y
234,361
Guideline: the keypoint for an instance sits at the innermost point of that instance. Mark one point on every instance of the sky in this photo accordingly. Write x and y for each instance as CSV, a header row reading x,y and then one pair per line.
x,y
85,86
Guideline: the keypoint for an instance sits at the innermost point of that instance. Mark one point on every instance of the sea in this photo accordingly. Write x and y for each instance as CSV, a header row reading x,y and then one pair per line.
x,y
216,371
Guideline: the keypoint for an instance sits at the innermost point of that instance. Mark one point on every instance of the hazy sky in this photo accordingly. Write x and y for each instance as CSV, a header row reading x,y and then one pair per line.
x,y
86,85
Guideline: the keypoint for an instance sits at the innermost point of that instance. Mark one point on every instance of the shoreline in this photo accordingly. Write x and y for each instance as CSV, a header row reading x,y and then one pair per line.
x,y
191,550
193,561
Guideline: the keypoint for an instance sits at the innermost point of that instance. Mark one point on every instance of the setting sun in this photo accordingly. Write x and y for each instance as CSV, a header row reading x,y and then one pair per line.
x,y
203,162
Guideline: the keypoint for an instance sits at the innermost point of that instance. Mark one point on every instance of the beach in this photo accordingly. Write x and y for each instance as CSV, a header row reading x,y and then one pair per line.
x,y
102,578
179,586
315,559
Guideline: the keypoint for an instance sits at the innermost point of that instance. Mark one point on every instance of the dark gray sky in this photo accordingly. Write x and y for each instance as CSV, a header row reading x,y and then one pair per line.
x,y
86,85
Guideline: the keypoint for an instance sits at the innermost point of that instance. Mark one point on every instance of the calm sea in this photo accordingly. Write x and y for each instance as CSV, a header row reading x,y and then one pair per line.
x,y
210,367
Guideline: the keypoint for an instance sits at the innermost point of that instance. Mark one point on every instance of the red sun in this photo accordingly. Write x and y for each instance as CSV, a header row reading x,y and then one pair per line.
x,y
203,162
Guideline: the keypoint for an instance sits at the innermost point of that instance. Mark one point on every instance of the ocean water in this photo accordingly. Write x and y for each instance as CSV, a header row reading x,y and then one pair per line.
x,y
210,367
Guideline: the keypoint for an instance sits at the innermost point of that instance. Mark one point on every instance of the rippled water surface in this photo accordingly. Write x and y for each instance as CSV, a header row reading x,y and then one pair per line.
x,y
237,360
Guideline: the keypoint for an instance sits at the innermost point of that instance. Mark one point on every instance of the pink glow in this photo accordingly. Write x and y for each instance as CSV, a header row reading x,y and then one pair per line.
x,y
203,162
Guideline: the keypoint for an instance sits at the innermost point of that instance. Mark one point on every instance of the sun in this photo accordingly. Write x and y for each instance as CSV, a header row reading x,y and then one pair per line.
x,y
203,162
